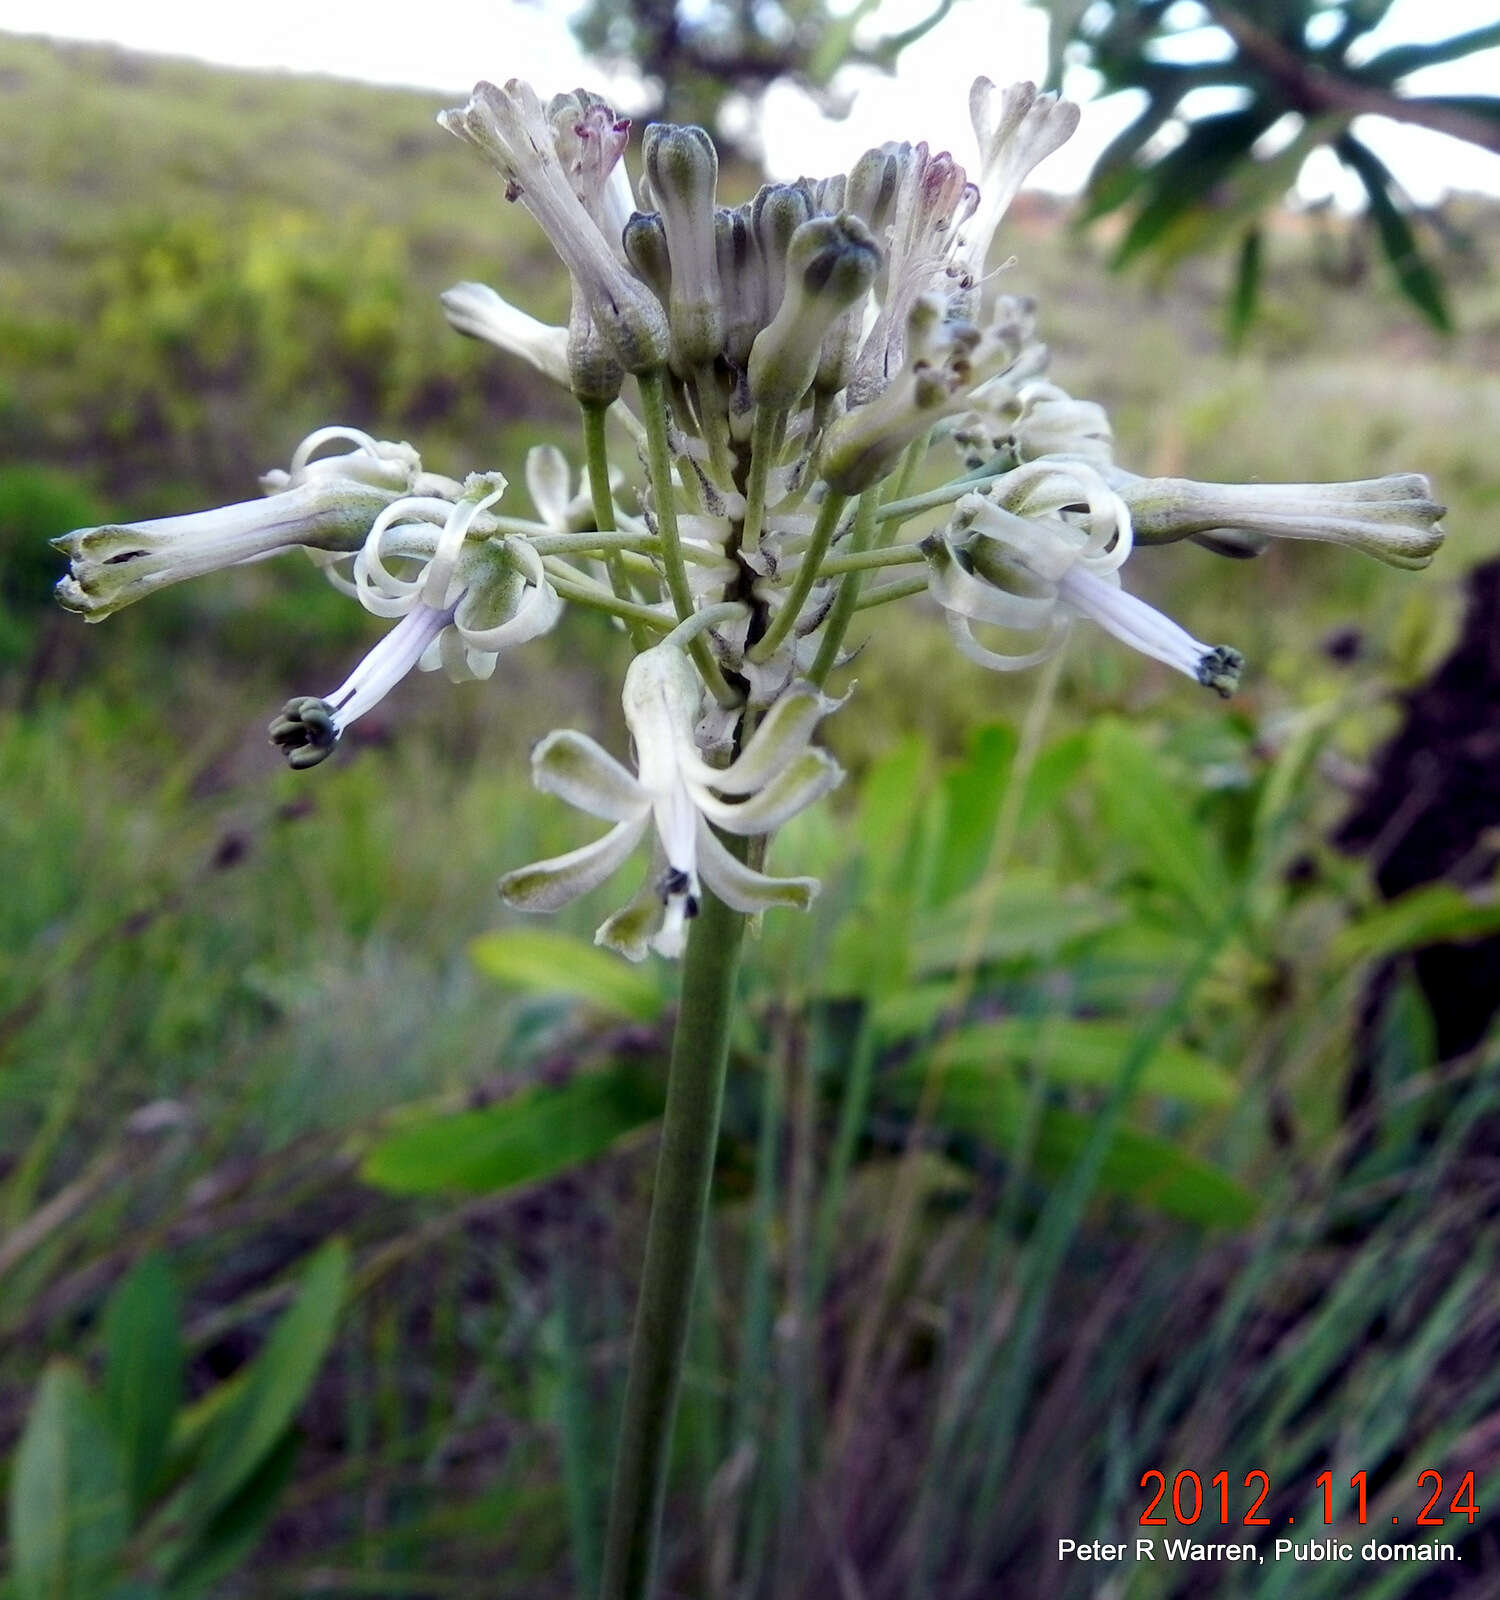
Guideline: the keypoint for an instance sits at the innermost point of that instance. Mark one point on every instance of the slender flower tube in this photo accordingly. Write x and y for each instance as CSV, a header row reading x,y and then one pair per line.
x,y
322,505
470,599
1394,519
310,726
1033,575
673,789
513,131
476,310
1017,129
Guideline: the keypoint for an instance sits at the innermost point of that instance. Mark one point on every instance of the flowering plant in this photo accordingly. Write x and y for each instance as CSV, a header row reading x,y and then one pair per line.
x,y
781,371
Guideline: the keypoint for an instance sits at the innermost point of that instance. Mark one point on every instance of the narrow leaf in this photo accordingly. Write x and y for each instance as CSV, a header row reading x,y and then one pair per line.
x,y
556,963
971,797
1437,913
1027,916
1075,1053
536,1134
234,1532
1139,1166
1416,276
1149,818
252,1425
1245,295
1180,180
68,1502
143,1370
1402,59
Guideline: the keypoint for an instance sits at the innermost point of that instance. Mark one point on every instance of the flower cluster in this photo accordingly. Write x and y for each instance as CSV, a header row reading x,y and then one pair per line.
x,y
779,371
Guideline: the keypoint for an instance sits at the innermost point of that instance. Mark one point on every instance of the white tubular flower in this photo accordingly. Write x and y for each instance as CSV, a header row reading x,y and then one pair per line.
x,y
323,505
1017,129
591,140
945,359
777,775
1394,519
310,726
549,482
476,310
471,597
933,199
1053,423
1032,575
512,129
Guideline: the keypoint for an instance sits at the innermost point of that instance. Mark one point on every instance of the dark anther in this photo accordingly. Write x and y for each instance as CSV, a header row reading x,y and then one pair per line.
x,y
304,732
674,881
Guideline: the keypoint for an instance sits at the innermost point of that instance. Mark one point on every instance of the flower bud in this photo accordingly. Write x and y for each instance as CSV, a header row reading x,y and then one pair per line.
x,y
775,215
476,310
594,371
831,262
741,282
645,243
871,188
1393,519
683,168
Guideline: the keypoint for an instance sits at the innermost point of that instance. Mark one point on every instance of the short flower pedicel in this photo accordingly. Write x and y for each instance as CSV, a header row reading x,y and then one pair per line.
x,y
778,369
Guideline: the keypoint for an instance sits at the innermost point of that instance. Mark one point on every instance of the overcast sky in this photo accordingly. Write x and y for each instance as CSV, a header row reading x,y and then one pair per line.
x,y
457,41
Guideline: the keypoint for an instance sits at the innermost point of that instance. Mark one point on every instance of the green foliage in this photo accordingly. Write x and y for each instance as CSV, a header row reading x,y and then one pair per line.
x,y
1190,183
68,1499
536,1135
101,1495
555,963
143,1371
35,506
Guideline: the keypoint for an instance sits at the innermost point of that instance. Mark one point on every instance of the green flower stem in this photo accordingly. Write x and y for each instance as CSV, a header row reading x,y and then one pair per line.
x,y
601,544
900,555
944,495
844,602
713,419
870,546
594,598
679,1209
596,459
766,433
807,574
701,621
659,465
900,590
590,544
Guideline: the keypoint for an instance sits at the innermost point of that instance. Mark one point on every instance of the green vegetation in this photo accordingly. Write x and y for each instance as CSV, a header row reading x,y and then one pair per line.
x,y
1041,1167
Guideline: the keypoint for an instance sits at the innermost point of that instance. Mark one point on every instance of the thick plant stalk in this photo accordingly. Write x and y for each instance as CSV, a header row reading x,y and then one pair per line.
x,y
690,1133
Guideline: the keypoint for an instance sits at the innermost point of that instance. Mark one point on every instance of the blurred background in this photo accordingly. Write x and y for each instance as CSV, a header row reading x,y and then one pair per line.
x,y
1129,1102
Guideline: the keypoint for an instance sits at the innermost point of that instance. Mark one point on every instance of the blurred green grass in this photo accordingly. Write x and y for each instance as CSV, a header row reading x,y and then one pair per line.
x,y
198,267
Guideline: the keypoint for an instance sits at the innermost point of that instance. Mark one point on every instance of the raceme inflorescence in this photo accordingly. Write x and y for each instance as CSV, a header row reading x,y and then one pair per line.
x,y
778,372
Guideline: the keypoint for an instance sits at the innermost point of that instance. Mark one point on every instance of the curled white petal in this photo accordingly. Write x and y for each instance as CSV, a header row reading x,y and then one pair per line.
x,y
805,780
580,771
741,888
387,664
549,885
